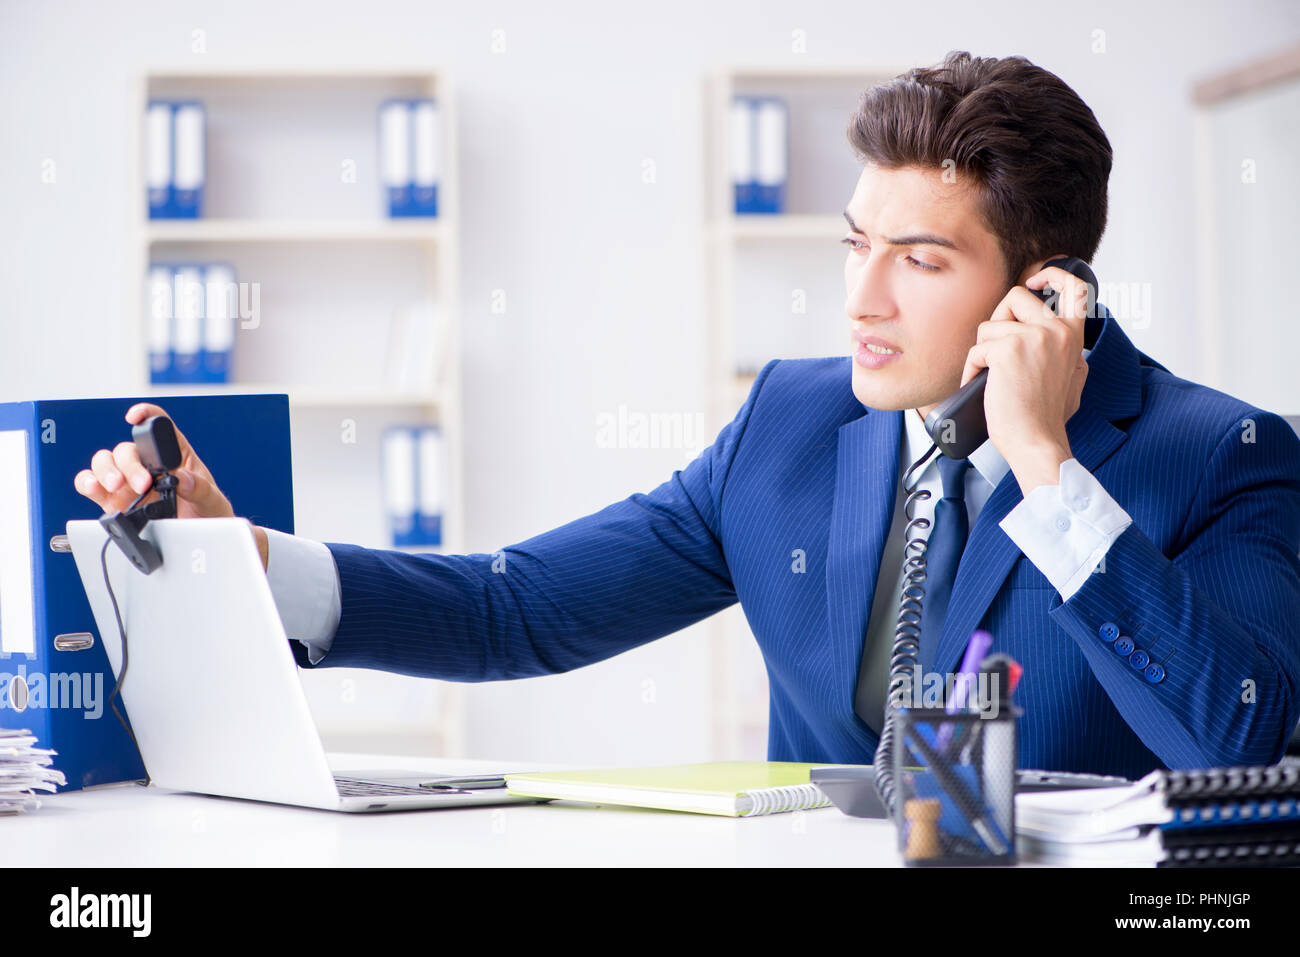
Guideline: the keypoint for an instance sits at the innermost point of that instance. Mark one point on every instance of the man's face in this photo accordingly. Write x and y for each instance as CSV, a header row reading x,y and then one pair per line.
x,y
901,222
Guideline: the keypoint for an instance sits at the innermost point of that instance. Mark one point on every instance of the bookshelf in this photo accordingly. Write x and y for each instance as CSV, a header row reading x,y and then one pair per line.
x,y
783,273
357,321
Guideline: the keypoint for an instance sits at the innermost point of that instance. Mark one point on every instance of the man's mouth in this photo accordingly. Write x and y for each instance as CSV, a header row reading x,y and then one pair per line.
x,y
876,345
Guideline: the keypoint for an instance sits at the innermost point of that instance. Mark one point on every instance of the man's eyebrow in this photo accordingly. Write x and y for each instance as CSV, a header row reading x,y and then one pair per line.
x,y
918,239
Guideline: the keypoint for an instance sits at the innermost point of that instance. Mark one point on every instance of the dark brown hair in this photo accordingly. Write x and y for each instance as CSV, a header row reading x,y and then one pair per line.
x,y
1035,151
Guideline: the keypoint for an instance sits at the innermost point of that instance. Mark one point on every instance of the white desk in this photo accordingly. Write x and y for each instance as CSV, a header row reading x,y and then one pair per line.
x,y
133,826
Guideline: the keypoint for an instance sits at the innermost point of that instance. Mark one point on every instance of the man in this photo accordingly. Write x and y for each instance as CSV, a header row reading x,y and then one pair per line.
x,y
1129,537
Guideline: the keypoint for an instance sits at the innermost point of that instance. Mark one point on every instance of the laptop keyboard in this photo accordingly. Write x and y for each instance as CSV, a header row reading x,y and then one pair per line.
x,y
356,787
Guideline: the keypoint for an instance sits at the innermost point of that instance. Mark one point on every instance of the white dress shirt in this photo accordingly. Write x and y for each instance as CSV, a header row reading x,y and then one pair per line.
x,y
305,584
1064,529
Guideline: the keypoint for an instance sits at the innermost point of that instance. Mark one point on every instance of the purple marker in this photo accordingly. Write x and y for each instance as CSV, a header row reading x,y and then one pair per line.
x,y
976,651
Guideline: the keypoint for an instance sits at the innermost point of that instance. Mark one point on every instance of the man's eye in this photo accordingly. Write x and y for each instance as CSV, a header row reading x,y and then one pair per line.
x,y
858,244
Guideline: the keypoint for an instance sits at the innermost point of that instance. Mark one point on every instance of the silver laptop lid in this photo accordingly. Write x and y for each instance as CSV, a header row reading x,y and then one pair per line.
x,y
211,688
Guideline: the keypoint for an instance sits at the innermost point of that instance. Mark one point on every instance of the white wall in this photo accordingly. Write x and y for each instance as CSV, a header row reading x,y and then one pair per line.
x,y
602,272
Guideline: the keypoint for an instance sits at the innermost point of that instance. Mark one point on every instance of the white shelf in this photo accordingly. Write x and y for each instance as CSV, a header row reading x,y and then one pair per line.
x,y
358,318
304,396
263,74
781,226
289,230
759,266
766,73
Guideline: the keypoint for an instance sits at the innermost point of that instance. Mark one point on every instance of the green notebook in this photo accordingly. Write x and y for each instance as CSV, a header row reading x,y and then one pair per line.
x,y
732,788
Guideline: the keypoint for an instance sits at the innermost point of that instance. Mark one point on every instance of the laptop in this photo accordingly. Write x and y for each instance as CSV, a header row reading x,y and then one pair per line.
x,y
211,687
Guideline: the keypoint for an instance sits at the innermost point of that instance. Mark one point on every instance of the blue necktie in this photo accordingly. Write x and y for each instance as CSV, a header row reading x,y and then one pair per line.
x,y
942,555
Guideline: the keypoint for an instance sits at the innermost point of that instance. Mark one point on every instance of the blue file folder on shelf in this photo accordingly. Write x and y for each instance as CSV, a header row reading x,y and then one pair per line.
x,y
158,158
175,158
191,323
760,158
51,654
409,147
413,482
429,479
187,323
220,308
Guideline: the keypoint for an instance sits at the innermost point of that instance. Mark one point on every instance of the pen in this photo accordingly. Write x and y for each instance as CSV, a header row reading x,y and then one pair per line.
x,y
976,648
1004,670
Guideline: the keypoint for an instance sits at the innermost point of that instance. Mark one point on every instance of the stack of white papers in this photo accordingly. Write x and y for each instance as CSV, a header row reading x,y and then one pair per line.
x,y
1104,827
24,768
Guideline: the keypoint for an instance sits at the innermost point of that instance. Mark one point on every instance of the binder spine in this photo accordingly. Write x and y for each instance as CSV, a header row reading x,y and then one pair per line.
x,y
426,141
187,328
399,476
159,329
771,125
189,165
23,655
429,477
395,156
741,158
158,159
221,304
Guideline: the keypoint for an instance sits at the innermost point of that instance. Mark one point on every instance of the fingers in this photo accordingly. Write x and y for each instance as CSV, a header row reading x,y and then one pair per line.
x,y
117,478
198,489
976,360
1021,305
86,483
127,459
143,410
108,483
1073,296
1030,316
991,329
106,471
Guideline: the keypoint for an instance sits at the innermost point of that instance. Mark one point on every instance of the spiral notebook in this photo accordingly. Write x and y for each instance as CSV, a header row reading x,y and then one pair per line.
x,y
731,788
1232,816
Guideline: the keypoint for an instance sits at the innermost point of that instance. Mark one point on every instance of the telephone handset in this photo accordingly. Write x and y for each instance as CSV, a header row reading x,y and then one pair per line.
x,y
956,424
958,428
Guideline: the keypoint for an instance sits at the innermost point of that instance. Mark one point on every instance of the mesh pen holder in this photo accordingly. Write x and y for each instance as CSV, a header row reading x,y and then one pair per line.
x,y
956,777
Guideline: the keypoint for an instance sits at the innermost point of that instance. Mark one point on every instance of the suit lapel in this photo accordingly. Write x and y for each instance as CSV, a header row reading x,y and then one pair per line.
x,y
990,552
1111,392
866,482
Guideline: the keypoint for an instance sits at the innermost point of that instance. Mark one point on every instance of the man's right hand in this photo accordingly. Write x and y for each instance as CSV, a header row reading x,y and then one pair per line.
x,y
115,479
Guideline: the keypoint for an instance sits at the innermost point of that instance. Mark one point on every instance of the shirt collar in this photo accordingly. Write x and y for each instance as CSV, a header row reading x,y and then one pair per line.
x,y
986,459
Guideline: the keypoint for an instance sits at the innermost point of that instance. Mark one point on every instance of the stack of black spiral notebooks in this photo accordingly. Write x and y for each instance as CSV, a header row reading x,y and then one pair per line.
x,y
1215,817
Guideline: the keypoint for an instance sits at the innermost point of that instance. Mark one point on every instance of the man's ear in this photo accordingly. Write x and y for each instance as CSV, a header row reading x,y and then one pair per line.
x,y
1037,267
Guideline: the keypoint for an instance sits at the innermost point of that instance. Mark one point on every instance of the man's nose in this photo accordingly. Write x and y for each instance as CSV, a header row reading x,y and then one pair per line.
x,y
869,295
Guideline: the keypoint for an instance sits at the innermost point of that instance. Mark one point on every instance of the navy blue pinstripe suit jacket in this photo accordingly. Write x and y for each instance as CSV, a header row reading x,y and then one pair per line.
x,y
1206,580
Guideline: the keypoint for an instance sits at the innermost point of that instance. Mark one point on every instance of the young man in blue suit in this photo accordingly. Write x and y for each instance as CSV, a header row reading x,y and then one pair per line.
x,y
1132,537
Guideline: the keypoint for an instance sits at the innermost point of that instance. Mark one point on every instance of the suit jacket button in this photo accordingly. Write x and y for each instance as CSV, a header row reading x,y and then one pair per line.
x,y
1154,674
1139,659
1124,646
1109,631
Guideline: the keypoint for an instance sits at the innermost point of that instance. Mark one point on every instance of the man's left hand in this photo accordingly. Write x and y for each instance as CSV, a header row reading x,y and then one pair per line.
x,y
1036,374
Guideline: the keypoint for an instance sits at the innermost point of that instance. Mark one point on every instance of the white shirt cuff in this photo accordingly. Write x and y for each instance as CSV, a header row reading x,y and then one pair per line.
x,y
305,584
1066,529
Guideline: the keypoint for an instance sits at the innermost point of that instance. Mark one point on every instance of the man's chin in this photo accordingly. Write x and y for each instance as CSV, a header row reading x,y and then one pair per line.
x,y
876,392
